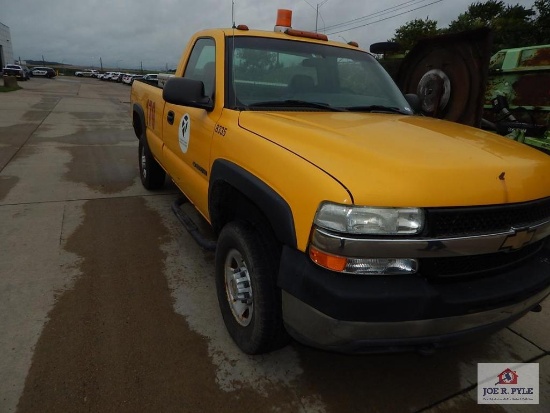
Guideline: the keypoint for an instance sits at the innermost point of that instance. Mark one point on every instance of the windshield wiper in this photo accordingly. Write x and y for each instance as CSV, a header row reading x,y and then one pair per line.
x,y
295,103
377,108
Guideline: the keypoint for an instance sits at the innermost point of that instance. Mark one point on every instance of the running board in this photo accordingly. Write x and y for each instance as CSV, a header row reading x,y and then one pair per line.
x,y
203,241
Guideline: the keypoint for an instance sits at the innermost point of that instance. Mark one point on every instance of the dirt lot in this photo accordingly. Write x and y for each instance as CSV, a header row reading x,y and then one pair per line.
x,y
107,305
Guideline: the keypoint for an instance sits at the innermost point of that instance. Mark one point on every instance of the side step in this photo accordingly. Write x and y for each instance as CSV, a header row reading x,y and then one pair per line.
x,y
204,241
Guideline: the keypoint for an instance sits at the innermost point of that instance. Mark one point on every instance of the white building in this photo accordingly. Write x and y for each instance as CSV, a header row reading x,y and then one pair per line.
x,y
6,49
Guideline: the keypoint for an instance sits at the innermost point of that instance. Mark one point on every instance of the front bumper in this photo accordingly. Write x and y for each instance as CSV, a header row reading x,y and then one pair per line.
x,y
355,313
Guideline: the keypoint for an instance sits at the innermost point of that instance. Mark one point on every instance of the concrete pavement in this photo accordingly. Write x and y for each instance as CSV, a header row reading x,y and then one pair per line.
x,y
107,304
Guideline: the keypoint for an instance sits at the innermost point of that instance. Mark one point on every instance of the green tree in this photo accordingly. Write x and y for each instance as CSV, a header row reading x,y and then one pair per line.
x,y
409,34
512,25
542,22
477,15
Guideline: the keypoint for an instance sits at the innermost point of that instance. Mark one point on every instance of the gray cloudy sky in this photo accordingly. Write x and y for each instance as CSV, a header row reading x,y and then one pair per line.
x,y
125,33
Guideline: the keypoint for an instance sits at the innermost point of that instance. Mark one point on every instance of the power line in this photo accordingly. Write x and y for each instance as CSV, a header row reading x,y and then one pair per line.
x,y
386,18
378,13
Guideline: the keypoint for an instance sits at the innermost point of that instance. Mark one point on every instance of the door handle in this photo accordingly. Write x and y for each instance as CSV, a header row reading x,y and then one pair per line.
x,y
170,117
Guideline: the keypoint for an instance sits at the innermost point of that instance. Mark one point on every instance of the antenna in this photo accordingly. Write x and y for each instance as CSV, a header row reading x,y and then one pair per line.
x,y
233,55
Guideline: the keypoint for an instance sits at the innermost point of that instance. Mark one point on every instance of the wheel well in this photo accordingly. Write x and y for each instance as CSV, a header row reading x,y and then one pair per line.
x,y
136,122
231,186
229,204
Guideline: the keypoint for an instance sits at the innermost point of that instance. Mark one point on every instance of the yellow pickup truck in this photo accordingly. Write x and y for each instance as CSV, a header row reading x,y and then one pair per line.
x,y
343,219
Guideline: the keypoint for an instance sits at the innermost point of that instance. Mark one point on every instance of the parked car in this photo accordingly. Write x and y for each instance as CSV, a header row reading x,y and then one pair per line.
x,y
104,76
19,71
114,76
43,71
127,78
87,73
136,77
163,78
151,78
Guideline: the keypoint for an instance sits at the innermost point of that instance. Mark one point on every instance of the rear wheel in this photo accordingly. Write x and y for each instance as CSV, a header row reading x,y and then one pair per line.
x,y
249,299
151,174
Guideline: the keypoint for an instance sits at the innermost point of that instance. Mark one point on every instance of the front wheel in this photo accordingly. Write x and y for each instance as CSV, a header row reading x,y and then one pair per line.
x,y
151,174
249,299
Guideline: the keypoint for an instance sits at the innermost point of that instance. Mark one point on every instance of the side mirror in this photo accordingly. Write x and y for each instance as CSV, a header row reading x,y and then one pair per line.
x,y
186,92
414,101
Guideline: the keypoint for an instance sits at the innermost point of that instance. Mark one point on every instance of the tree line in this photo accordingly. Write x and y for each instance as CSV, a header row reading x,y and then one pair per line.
x,y
512,26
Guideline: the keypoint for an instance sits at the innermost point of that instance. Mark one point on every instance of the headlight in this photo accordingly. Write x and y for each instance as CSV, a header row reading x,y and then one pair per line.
x,y
351,219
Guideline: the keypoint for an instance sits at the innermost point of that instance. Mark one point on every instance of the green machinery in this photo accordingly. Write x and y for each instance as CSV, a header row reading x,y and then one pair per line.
x,y
517,96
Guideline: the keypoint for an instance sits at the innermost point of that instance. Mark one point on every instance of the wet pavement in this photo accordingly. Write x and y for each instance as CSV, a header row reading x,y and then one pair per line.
x,y
108,305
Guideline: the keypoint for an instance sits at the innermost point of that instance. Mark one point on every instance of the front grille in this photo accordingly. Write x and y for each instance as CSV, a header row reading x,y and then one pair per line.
x,y
450,267
456,222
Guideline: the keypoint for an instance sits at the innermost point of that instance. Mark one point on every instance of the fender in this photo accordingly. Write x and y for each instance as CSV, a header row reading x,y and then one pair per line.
x,y
138,110
272,205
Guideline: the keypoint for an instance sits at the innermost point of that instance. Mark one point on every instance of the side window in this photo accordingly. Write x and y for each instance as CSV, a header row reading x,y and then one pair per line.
x,y
202,64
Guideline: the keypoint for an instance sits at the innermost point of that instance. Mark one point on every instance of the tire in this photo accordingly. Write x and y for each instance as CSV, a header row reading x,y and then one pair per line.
x,y
248,296
151,173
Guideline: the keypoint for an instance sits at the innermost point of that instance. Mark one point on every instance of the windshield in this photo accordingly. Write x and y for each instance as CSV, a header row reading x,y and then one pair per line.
x,y
274,74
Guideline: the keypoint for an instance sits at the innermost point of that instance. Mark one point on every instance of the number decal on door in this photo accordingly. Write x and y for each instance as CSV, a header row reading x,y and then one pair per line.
x,y
151,113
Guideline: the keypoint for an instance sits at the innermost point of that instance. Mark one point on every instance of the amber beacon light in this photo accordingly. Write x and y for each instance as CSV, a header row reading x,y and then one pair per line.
x,y
284,25
284,20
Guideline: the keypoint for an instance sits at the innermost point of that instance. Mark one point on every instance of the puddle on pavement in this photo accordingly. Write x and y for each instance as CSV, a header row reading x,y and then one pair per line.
x,y
98,136
89,115
114,343
107,169
35,116
46,103
7,183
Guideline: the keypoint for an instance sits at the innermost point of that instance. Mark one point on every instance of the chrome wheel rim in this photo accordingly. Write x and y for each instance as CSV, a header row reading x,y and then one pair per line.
x,y
143,163
238,288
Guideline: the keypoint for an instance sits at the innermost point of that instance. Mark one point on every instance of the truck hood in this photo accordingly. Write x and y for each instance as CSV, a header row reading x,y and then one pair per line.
x,y
394,160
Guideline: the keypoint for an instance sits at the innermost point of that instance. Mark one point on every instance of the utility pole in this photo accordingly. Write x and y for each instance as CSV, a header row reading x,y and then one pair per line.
x,y
317,18
141,64
43,62
101,63
319,5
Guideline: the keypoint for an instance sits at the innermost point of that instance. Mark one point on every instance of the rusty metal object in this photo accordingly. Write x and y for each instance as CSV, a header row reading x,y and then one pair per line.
x,y
522,75
537,58
449,73
457,80
434,91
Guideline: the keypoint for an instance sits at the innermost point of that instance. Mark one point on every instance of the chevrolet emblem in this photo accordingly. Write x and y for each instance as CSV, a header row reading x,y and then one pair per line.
x,y
518,239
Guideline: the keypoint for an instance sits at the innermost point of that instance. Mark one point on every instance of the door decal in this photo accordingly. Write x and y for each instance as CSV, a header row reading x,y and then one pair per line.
x,y
184,132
